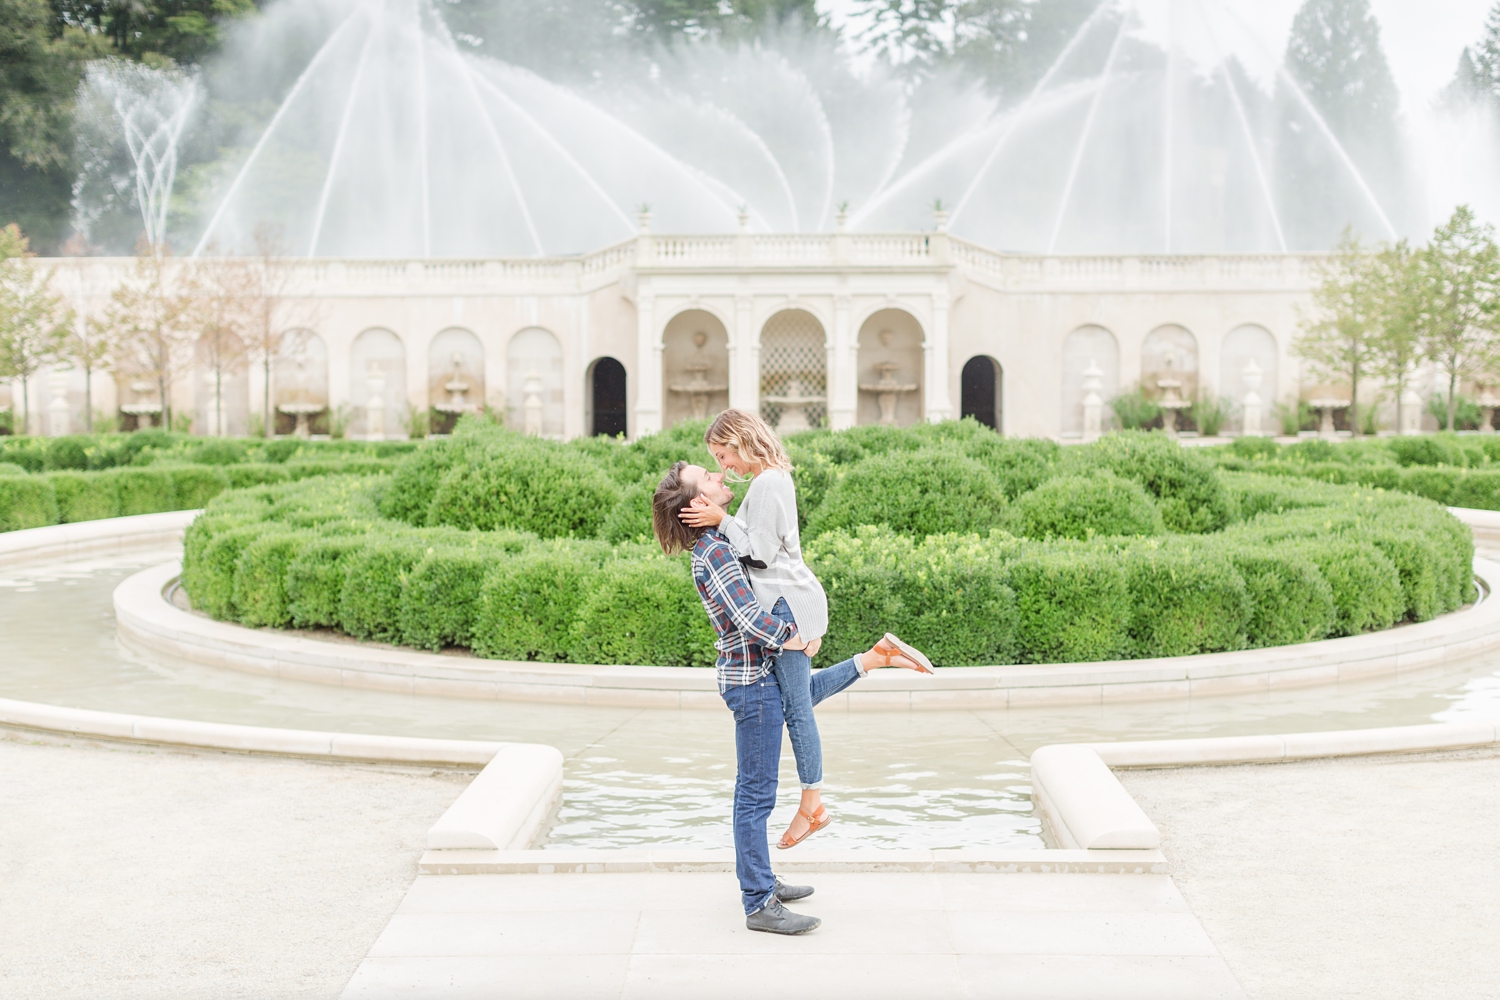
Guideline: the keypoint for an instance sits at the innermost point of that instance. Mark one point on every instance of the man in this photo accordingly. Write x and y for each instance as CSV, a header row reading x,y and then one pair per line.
x,y
748,638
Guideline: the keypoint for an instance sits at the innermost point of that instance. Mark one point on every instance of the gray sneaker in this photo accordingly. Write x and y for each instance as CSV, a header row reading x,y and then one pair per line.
x,y
787,893
777,919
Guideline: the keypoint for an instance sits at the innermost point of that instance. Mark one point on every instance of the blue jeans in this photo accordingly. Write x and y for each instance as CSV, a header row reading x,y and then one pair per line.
x,y
757,745
801,689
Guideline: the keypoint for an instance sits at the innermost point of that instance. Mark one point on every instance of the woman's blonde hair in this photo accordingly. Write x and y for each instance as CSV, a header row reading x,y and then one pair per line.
x,y
751,437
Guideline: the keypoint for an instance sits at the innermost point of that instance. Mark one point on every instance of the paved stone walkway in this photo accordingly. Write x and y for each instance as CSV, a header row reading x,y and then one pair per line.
x,y
143,872
1093,937
1369,877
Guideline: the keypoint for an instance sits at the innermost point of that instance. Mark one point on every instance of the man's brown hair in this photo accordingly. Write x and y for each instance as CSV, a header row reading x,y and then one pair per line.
x,y
671,496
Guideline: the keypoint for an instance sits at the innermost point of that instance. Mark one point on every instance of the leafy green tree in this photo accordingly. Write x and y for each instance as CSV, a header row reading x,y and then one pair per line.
x,y
1395,290
1335,57
183,31
1458,313
41,61
1338,333
1007,43
33,322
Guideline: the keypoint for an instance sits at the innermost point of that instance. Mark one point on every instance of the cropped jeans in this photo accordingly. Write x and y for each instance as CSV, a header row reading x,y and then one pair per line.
x,y
757,744
801,689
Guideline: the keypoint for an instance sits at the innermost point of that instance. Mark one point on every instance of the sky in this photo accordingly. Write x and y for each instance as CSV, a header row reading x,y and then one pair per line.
x,y
1422,38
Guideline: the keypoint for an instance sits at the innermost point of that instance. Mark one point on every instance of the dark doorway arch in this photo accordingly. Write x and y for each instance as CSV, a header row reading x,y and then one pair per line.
x,y
607,397
979,391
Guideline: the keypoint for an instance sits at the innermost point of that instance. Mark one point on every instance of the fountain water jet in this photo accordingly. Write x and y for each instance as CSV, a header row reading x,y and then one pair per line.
x,y
144,110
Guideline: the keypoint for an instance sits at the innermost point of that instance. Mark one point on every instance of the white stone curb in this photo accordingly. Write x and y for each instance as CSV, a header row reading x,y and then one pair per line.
x,y
148,622
1083,805
115,534
26,715
972,860
506,804
1297,746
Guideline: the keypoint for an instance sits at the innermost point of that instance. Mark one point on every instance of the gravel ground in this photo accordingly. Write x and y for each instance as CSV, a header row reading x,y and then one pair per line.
x,y
131,871
1355,877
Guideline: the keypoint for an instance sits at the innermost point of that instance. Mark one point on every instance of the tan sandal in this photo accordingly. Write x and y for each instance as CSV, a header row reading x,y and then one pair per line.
x,y
896,653
818,820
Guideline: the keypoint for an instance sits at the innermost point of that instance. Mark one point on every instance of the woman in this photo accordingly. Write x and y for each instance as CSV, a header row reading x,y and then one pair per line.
x,y
763,533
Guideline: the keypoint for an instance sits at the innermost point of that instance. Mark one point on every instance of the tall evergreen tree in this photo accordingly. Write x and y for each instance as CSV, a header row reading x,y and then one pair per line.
x,y
1477,77
1335,60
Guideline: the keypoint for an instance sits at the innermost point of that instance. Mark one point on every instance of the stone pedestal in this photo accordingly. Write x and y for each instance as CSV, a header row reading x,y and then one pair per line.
x,y
1251,408
59,415
1410,413
375,406
1093,403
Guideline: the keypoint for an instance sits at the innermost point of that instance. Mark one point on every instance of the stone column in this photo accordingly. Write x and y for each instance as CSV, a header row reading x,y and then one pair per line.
x,y
743,378
935,361
843,368
648,350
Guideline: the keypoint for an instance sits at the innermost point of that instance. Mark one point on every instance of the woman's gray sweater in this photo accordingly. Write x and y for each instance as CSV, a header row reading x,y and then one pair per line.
x,y
764,530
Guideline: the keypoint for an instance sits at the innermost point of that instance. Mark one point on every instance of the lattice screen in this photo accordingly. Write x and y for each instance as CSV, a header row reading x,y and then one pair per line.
x,y
793,362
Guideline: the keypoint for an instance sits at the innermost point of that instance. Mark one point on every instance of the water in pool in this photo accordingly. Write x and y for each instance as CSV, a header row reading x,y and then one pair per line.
x,y
655,777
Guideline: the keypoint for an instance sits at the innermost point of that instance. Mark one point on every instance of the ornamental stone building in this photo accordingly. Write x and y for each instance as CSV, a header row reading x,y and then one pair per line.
x,y
830,329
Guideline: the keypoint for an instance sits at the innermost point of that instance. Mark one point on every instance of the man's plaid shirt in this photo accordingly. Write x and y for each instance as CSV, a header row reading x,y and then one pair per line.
x,y
746,631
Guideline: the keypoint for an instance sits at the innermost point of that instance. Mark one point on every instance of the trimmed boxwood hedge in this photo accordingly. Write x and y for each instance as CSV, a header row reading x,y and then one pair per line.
x,y
1081,507
62,497
1130,547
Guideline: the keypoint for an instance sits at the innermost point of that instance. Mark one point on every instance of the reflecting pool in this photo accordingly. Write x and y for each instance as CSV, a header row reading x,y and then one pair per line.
x,y
648,777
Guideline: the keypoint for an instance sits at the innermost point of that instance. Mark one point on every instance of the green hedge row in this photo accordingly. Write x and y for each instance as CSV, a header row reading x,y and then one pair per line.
x,y
35,500
1449,469
92,452
1307,561
932,479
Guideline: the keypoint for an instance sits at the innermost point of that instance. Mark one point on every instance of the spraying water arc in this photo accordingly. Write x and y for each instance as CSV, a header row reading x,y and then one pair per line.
x,y
313,65
1083,138
1239,111
343,132
1338,147
398,138
1041,85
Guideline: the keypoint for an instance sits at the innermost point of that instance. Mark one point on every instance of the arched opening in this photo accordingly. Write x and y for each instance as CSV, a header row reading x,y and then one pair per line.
x,y
890,369
694,367
377,390
455,377
1090,377
221,394
1248,377
299,384
607,406
1169,374
534,383
979,391
793,371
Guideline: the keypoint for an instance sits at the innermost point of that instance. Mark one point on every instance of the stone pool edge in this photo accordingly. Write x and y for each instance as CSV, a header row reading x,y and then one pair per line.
x,y
147,621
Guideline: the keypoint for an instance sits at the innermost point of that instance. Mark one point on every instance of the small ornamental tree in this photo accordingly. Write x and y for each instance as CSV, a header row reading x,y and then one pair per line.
x,y
1338,331
33,321
1459,300
218,311
149,315
1395,343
